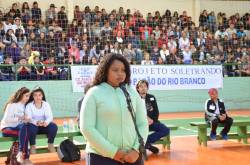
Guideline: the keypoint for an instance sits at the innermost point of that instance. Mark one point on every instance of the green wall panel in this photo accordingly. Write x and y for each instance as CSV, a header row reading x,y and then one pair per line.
x,y
235,93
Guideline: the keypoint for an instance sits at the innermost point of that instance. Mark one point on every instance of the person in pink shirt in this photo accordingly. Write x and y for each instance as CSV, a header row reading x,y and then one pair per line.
x,y
74,51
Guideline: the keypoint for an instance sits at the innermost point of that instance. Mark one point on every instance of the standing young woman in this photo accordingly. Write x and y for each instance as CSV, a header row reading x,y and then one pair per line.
x,y
14,123
40,116
105,120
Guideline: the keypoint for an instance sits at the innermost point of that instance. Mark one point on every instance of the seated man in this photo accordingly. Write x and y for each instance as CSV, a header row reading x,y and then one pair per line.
x,y
215,113
159,130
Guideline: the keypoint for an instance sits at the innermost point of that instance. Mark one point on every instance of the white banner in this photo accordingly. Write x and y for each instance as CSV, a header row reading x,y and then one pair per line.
x,y
82,75
160,77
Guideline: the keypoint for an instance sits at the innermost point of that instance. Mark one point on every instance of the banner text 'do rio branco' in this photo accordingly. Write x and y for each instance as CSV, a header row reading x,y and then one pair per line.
x,y
160,77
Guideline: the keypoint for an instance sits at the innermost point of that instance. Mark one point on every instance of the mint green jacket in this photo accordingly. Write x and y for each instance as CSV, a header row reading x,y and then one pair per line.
x,y
106,122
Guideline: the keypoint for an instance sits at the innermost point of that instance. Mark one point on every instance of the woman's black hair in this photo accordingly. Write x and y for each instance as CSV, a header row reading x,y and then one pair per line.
x,y
36,89
17,34
103,68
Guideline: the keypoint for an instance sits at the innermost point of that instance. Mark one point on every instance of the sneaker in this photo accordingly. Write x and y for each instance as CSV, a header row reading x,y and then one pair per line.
x,y
51,147
224,136
19,157
212,136
153,149
27,162
33,149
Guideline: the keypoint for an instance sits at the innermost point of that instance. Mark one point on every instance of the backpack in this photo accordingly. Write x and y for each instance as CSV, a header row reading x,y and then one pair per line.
x,y
68,151
11,157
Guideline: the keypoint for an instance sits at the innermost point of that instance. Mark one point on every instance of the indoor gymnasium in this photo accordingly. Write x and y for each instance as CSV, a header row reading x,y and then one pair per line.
x,y
136,82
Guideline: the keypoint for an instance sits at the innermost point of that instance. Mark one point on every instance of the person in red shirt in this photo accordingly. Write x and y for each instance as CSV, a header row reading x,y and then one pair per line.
x,y
51,69
74,51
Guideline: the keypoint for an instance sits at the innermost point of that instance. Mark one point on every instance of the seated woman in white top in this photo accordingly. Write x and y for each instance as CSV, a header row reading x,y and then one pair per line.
x,y
147,60
14,123
40,115
187,56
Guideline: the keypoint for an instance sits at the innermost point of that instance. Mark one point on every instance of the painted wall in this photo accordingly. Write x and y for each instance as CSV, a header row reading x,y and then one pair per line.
x,y
236,94
142,5
193,7
228,7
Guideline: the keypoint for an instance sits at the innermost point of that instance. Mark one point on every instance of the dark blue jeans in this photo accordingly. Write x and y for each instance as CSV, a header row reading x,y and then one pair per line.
x,y
22,132
159,131
50,130
94,159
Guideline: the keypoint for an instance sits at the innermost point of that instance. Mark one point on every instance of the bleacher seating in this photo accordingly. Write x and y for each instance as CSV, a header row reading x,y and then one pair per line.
x,y
32,48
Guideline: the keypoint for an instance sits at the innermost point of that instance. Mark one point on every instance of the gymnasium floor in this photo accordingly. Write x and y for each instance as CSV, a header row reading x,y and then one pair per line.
x,y
184,148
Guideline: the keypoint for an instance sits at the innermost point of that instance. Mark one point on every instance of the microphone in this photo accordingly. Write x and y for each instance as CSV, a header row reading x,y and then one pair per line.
x,y
123,88
142,149
122,85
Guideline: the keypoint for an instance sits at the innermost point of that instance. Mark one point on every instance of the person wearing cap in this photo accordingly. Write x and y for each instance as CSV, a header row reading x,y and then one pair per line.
x,y
215,113
51,14
159,129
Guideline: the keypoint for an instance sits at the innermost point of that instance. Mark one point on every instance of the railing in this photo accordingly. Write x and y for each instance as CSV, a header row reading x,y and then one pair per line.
x,y
47,72
62,71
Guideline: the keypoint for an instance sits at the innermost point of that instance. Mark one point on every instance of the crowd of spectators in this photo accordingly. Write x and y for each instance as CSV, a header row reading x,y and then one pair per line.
x,y
42,49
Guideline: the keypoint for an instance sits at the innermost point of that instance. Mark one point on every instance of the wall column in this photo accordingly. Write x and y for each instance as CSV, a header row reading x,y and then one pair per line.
x,y
196,11
70,9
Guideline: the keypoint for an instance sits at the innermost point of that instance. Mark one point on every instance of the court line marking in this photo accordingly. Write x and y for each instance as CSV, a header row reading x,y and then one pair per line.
x,y
181,118
181,136
188,129
185,136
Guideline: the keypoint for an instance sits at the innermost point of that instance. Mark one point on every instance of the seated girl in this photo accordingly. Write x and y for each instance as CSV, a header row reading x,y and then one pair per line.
x,y
14,123
40,116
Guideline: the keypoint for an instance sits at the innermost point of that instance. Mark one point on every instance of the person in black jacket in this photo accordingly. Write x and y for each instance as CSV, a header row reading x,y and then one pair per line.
x,y
79,102
62,19
159,129
215,113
